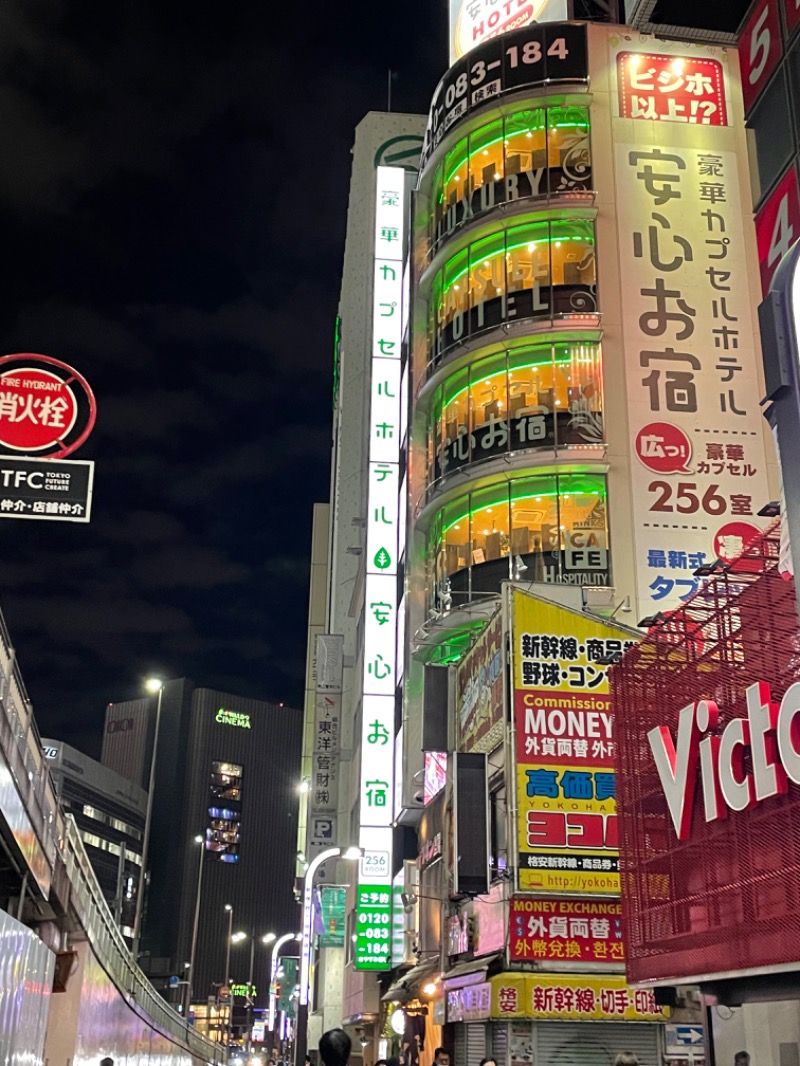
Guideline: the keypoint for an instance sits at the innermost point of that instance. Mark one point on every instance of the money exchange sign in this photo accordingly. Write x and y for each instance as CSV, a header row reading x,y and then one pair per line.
x,y
574,930
566,782
699,475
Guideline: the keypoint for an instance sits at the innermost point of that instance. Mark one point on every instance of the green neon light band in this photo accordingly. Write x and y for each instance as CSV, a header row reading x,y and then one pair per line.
x,y
525,494
582,125
549,360
508,249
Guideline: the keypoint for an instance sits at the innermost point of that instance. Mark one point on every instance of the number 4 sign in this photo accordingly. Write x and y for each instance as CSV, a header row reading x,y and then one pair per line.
x,y
777,226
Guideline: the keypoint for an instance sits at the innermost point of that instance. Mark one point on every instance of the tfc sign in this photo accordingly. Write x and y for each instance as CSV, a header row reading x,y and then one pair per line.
x,y
769,735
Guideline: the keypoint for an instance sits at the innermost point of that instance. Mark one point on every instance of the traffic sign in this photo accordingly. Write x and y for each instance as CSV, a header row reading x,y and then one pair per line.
x,y
680,1038
173,982
46,407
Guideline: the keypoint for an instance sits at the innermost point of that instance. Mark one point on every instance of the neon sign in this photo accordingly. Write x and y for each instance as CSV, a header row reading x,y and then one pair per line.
x,y
225,717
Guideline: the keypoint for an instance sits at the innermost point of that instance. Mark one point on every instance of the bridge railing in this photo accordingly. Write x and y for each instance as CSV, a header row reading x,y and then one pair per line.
x,y
113,953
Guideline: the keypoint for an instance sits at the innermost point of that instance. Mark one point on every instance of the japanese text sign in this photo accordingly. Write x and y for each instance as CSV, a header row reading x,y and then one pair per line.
x,y
566,784
577,997
323,801
685,241
380,676
556,931
472,22
660,87
479,691
50,489
373,928
46,406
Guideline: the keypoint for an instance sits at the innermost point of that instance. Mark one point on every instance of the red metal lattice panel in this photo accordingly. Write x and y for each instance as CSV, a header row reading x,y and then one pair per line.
x,y
728,897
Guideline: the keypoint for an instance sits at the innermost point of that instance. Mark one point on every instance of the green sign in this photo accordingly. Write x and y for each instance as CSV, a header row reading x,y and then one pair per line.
x,y
241,990
373,948
287,980
332,909
225,717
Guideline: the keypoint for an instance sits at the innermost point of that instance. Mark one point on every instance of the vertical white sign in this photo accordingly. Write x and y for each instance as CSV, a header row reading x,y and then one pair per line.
x,y
699,465
383,520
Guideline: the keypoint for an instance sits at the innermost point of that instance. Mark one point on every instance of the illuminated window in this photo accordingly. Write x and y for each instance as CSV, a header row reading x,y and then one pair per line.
x,y
542,396
535,153
534,270
224,811
548,528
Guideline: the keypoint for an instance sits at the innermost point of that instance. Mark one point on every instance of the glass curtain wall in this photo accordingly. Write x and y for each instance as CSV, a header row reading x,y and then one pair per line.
x,y
544,396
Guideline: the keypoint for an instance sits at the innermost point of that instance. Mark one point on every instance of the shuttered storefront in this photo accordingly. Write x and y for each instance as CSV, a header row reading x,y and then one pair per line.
x,y
593,1043
471,1043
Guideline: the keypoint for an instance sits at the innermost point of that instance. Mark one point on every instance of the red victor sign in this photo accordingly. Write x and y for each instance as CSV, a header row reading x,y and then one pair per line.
x,y
770,734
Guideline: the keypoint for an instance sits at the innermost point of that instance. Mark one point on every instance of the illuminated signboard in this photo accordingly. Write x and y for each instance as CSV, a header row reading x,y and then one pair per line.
x,y
473,22
533,56
373,946
383,521
698,466
225,717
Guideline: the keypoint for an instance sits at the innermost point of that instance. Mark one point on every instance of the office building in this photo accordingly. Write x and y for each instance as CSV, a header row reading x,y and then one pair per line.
x,y
226,771
109,811
364,480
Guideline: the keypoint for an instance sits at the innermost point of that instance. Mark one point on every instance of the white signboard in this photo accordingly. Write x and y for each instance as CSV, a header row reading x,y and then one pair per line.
x,y
380,675
699,469
473,22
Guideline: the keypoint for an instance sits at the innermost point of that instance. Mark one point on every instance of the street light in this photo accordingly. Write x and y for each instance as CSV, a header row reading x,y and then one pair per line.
x,y
154,686
237,938
227,975
190,970
301,1036
273,973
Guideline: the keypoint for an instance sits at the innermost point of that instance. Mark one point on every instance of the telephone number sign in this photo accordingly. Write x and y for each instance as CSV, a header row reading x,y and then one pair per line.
x,y
535,55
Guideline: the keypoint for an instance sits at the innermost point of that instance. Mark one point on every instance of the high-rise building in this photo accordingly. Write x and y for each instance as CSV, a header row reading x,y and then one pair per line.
x,y
109,811
226,771
578,441
366,480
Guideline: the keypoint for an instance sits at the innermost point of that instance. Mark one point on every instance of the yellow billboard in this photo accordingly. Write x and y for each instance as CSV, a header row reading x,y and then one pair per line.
x,y
572,997
563,723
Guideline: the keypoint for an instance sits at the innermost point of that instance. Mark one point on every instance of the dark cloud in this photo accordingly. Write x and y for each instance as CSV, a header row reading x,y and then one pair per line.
x,y
172,198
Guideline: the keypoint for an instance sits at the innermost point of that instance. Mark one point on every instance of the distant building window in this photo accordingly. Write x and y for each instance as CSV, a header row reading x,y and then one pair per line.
x,y
224,811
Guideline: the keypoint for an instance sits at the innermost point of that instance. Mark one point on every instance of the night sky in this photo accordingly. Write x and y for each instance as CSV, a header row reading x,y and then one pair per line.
x,y
173,190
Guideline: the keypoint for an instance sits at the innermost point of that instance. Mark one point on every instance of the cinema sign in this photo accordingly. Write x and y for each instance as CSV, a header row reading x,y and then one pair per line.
x,y
771,735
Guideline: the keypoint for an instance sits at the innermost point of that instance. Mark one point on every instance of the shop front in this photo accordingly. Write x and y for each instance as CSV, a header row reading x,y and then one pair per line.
x,y
526,1019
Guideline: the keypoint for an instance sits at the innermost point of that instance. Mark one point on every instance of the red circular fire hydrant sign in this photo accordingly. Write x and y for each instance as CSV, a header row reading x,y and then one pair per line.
x,y
46,407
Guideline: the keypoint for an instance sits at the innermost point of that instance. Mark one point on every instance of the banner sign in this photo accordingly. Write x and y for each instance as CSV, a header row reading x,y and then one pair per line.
x,y
560,930
566,783
688,327
53,490
533,56
332,899
572,997
479,691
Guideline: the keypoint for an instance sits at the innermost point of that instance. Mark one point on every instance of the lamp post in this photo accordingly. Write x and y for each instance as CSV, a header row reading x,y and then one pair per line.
x,y
273,973
227,975
237,938
193,951
154,686
301,1035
